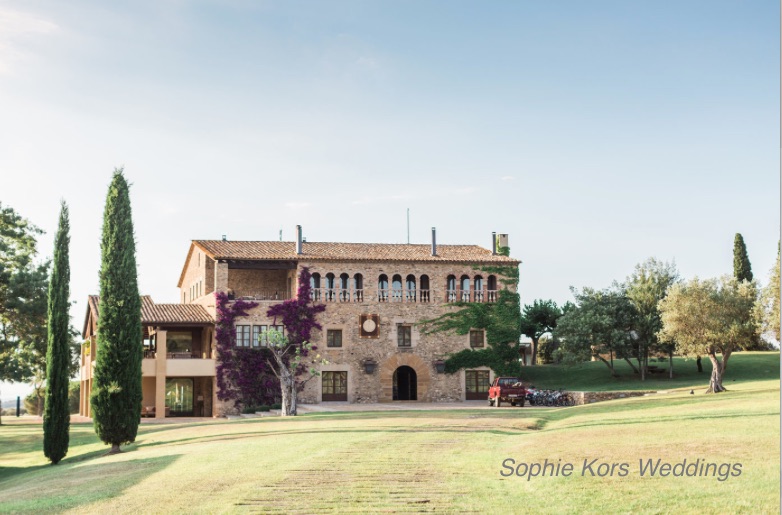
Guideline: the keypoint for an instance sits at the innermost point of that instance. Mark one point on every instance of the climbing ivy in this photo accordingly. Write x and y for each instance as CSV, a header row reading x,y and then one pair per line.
x,y
500,320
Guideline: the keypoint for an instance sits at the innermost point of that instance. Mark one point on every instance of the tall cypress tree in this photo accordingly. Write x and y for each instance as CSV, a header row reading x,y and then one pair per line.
x,y
116,396
56,415
742,270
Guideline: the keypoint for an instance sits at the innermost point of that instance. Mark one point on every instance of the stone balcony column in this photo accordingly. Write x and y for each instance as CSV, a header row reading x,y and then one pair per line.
x,y
160,373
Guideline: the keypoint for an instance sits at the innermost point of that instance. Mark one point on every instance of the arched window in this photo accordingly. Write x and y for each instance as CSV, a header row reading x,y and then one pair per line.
x,y
358,288
464,286
382,288
344,288
478,288
330,294
410,287
396,288
450,289
491,289
315,285
424,293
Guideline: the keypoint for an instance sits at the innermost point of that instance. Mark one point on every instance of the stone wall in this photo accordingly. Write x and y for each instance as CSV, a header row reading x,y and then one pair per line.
x,y
590,397
254,282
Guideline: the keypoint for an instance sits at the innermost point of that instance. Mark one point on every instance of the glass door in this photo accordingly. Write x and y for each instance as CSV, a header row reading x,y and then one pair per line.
x,y
179,397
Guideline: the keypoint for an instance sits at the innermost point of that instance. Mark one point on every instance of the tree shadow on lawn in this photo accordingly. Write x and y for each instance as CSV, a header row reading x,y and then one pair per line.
x,y
343,431
70,484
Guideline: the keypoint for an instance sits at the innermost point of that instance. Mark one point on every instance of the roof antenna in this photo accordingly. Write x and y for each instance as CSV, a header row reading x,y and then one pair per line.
x,y
408,226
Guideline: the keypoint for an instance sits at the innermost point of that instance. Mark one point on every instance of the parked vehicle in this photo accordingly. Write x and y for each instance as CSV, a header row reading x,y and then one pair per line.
x,y
507,389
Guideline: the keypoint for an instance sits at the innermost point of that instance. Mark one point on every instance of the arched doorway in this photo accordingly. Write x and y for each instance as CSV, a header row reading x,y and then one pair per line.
x,y
405,384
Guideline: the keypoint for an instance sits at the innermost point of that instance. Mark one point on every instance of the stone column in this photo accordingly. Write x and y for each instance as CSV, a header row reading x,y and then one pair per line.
x,y
221,276
160,374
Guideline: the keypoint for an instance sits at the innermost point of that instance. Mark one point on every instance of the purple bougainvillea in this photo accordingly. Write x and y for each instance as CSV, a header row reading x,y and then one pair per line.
x,y
298,314
243,374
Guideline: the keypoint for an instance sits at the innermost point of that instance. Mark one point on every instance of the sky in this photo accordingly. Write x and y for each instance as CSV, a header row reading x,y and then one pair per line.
x,y
595,133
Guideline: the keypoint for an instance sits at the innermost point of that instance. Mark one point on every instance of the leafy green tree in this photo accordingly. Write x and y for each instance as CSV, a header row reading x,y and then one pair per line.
x,y
742,269
601,322
116,396
56,415
767,310
707,317
646,287
23,286
501,321
538,319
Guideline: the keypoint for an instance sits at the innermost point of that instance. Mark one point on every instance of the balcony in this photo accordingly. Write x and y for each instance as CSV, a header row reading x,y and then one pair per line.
x,y
471,296
398,295
337,295
262,295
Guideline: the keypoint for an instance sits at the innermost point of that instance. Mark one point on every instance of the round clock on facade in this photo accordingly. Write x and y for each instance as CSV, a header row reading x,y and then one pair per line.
x,y
369,325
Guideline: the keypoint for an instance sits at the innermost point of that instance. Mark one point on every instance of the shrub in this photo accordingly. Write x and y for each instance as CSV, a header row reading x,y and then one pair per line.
x,y
73,396
264,408
248,410
276,405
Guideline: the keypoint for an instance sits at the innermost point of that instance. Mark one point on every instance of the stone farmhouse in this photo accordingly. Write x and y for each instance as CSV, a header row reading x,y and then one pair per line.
x,y
374,293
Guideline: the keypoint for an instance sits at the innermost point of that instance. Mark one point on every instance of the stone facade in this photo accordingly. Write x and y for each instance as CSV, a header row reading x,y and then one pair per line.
x,y
396,308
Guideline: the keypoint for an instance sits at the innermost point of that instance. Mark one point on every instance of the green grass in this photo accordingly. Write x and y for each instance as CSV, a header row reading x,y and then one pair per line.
x,y
414,461
595,376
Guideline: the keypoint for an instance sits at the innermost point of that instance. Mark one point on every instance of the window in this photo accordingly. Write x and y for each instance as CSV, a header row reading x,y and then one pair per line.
x,y
344,288
410,286
243,335
478,285
404,335
465,287
334,338
358,288
450,287
259,336
315,285
382,288
279,328
424,288
330,295
396,288
491,287
476,337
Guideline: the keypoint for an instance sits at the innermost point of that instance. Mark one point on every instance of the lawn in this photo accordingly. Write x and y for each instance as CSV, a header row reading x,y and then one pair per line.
x,y
416,461
596,377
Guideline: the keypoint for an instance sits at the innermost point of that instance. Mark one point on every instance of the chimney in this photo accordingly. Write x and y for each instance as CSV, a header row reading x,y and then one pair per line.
x,y
502,242
493,243
434,241
225,238
298,240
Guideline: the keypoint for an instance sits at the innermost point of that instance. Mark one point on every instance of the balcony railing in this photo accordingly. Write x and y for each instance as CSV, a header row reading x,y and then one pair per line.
x,y
150,354
263,295
471,295
396,295
337,295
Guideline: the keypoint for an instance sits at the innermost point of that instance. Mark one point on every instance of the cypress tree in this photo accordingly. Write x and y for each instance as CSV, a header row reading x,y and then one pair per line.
x,y
56,415
742,270
116,396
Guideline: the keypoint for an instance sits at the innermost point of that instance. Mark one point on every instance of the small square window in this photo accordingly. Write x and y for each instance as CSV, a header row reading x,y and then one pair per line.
x,y
476,338
259,336
334,338
243,335
404,335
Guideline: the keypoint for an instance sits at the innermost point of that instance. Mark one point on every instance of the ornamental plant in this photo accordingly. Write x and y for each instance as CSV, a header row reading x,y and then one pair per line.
x,y
56,415
243,374
291,353
116,397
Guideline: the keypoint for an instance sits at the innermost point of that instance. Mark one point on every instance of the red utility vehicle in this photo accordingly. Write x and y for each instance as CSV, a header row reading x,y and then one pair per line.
x,y
507,389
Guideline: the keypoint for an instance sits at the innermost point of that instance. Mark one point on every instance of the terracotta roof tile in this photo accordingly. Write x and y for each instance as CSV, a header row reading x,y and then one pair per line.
x,y
152,313
328,251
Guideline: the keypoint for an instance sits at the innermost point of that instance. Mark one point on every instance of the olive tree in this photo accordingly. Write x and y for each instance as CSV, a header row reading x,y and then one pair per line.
x,y
707,317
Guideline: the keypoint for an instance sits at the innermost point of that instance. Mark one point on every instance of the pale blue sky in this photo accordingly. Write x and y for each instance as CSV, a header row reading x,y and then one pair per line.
x,y
595,133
